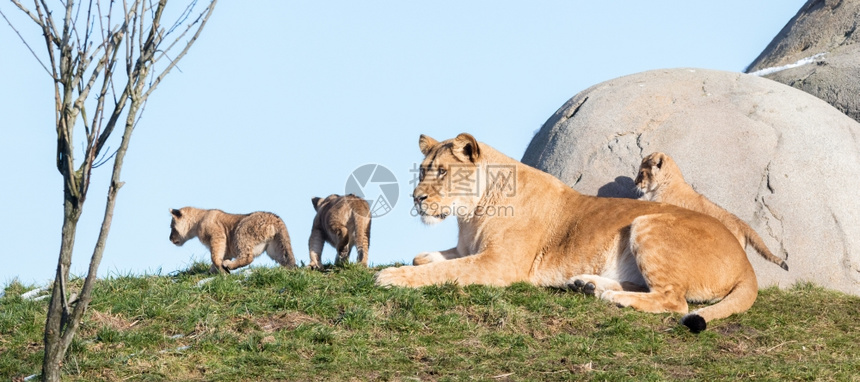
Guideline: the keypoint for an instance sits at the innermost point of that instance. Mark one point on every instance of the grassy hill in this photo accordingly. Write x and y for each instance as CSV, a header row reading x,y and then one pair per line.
x,y
278,324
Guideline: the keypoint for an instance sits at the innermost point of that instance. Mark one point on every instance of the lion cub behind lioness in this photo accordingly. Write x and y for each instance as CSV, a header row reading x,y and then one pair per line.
x,y
660,180
233,240
343,222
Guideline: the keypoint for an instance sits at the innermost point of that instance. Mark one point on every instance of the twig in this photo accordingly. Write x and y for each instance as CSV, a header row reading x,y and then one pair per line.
x,y
25,43
103,160
182,17
772,348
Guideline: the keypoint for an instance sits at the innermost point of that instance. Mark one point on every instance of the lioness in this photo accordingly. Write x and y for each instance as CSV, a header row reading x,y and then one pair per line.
x,y
343,222
233,240
652,256
660,180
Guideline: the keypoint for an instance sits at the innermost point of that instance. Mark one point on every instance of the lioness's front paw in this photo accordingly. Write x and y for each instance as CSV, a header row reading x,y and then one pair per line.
x,y
427,258
393,276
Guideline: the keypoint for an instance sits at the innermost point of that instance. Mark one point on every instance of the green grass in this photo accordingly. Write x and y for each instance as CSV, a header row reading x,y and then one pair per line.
x,y
278,324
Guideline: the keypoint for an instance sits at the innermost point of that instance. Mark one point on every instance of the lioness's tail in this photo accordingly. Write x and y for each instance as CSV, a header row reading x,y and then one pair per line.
x,y
757,243
739,299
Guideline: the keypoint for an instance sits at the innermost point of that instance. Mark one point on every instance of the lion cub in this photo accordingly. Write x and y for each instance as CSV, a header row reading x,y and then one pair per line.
x,y
660,180
233,240
343,222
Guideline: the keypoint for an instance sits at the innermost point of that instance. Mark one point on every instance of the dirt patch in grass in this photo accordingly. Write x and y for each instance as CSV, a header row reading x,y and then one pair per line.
x,y
34,347
680,373
734,329
289,321
550,328
114,321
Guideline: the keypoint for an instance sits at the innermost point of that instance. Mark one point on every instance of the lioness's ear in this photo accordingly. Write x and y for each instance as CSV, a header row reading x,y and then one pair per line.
x,y
466,147
426,144
316,202
176,212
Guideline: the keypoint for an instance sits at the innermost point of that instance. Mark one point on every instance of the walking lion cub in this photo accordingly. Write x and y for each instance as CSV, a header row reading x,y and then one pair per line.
x,y
654,257
343,222
234,240
660,180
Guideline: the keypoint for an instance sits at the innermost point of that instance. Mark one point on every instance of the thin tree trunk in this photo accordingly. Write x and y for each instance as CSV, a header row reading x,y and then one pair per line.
x,y
71,322
61,326
57,313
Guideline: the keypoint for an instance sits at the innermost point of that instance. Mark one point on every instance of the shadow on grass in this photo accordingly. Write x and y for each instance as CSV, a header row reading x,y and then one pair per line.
x,y
197,268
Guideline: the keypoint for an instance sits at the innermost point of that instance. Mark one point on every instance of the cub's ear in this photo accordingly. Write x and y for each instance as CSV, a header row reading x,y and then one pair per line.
x,y
426,144
658,158
466,147
316,202
176,213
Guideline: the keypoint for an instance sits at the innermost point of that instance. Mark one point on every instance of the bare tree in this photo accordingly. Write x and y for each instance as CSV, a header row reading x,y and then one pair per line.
x,y
85,52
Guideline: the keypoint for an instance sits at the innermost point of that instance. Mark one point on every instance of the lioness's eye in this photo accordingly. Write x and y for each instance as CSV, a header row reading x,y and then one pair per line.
x,y
442,172
421,173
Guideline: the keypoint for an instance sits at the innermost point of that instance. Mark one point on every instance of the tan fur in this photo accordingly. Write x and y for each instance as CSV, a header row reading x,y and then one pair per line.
x,y
652,256
233,240
660,180
343,222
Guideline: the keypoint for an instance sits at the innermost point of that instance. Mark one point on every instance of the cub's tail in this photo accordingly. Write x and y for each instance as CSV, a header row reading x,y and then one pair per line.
x,y
757,243
739,299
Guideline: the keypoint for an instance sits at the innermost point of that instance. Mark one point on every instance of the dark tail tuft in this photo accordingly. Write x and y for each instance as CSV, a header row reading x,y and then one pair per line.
x,y
695,322
784,265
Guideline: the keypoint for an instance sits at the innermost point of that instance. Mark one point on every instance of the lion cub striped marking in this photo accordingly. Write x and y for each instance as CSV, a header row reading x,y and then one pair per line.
x,y
233,240
343,222
660,180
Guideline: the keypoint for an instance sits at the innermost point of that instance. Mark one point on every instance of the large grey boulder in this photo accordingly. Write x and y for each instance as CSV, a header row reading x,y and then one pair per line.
x,y
818,52
782,160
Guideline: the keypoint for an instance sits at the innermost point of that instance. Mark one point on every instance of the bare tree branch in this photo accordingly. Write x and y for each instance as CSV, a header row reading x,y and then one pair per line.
x,y
48,22
27,11
202,21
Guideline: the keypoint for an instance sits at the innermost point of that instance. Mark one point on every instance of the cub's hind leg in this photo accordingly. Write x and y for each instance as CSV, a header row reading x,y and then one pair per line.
x,y
361,238
247,252
280,249
343,245
283,256
315,247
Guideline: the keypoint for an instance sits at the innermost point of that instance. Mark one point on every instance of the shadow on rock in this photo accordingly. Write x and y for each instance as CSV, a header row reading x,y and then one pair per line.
x,y
622,187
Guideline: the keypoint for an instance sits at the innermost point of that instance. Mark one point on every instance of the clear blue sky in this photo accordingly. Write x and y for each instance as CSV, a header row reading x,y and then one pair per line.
x,y
280,100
